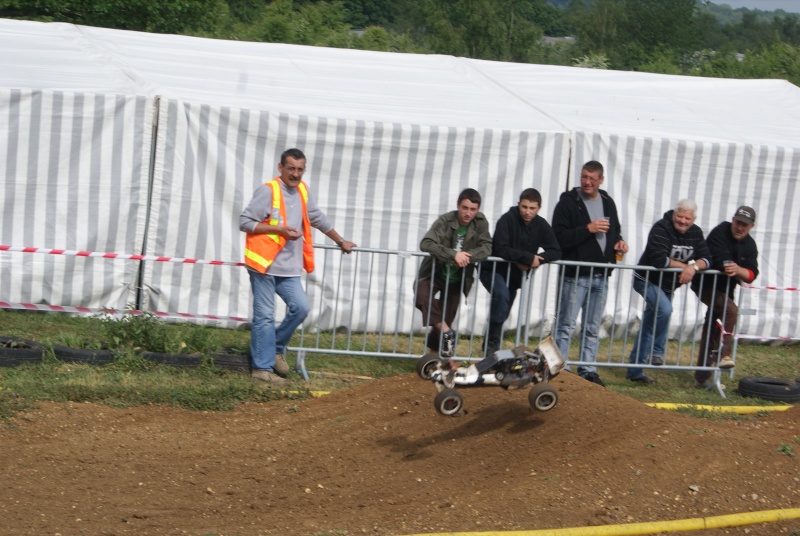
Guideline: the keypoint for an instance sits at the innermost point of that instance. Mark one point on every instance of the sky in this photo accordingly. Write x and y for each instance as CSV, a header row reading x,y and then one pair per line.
x,y
790,6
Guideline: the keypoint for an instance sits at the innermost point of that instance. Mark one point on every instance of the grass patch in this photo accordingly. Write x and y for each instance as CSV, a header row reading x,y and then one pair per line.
x,y
131,380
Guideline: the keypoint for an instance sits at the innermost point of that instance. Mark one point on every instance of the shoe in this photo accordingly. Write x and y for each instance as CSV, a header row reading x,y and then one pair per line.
x,y
594,378
270,377
726,362
448,344
657,361
281,367
643,379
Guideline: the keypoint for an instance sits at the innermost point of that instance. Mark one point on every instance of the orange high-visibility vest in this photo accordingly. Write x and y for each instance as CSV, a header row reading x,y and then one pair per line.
x,y
261,249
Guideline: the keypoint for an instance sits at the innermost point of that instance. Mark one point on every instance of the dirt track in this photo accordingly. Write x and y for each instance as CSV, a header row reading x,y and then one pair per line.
x,y
377,459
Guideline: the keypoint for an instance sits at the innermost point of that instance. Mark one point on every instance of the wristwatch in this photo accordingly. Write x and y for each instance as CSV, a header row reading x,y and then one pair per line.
x,y
693,265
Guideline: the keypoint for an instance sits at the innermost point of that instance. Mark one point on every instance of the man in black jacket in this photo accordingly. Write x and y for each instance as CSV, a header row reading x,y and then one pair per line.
x,y
674,242
734,252
519,236
587,227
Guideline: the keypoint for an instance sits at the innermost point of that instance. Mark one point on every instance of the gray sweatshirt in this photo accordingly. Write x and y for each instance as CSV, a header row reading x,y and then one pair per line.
x,y
289,262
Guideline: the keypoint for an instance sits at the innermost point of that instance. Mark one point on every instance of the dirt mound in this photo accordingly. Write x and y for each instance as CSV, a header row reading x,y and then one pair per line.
x,y
378,459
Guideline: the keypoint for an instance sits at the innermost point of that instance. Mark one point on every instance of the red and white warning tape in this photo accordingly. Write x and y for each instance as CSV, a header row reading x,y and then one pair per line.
x,y
754,337
104,311
790,289
124,256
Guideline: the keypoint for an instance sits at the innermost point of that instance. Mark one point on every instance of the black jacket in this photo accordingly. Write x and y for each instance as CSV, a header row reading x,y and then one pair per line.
x,y
515,241
665,243
570,219
724,247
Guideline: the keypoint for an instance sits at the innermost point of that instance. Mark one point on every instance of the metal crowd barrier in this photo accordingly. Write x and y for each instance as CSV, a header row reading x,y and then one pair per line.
x,y
363,305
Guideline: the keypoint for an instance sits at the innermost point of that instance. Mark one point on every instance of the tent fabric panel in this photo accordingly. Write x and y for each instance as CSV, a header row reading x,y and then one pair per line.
x,y
210,160
74,178
647,177
656,105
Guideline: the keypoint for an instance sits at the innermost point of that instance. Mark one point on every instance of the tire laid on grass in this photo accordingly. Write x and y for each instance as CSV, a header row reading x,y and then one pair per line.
x,y
234,362
772,389
79,355
173,360
14,351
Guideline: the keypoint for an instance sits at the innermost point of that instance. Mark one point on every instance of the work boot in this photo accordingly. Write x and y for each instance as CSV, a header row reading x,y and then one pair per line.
x,y
726,362
270,377
281,367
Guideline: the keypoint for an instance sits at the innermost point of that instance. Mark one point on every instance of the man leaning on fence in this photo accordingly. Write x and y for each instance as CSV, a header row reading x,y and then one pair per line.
x,y
734,252
674,242
587,227
456,241
519,236
278,247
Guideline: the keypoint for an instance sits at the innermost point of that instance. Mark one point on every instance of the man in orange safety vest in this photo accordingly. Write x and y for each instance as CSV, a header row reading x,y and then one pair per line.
x,y
278,247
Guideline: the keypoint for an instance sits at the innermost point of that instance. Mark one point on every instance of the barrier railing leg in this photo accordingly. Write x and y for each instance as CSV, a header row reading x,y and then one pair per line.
x,y
718,383
301,364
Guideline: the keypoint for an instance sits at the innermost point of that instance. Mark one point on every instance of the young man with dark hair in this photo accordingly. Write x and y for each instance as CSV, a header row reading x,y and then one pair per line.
x,y
519,236
456,241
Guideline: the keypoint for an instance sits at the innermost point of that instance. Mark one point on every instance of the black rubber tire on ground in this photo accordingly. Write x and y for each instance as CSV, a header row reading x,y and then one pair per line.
x,y
448,402
173,360
14,351
234,362
79,355
772,389
542,397
427,364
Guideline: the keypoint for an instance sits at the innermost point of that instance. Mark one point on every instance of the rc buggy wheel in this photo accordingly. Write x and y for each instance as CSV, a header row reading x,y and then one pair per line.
x,y
448,402
427,364
542,397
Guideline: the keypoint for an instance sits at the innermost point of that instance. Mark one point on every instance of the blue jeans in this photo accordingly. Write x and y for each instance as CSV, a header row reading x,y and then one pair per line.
x,y
655,325
265,339
502,300
588,294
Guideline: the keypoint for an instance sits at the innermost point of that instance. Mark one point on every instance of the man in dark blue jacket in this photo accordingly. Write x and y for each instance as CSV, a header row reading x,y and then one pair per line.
x,y
734,252
587,227
526,241
674,242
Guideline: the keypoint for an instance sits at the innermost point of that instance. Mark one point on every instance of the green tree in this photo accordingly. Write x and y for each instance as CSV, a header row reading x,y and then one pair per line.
x,y
167,16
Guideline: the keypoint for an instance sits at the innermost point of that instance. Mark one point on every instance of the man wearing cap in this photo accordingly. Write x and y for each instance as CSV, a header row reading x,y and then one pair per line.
x,y
734,252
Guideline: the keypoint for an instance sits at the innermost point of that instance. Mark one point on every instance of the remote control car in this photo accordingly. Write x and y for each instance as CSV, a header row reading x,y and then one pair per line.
x,y
509,369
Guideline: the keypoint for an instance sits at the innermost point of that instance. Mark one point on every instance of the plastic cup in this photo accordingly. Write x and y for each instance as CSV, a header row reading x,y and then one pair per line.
x,y
620,254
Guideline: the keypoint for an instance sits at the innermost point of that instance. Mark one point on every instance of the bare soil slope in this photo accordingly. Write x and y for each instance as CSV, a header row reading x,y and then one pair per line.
x,y
378,459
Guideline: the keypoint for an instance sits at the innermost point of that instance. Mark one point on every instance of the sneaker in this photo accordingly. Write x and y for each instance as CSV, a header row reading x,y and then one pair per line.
x,y
643,379
657,361
448,344
270,377
726,362
281,367
594,378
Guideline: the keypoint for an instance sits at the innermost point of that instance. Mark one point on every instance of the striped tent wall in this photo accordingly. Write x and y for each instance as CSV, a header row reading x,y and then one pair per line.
x,y
647,177
74,176
381,184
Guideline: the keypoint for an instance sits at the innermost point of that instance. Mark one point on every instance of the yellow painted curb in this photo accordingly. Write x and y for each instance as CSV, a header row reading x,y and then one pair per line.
x,y
741,410
698,523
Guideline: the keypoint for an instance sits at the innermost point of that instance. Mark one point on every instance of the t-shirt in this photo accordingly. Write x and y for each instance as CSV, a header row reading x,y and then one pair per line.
x,y
450,272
